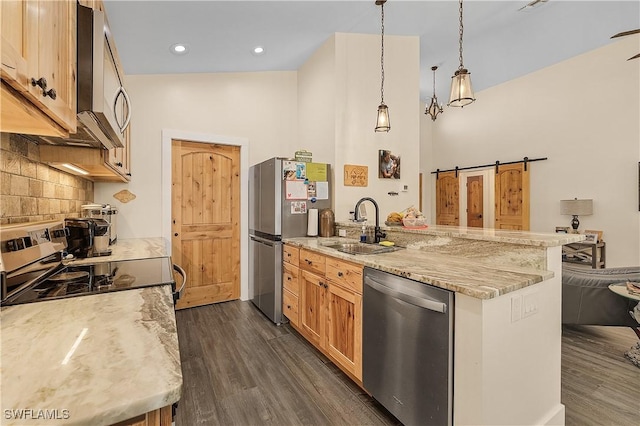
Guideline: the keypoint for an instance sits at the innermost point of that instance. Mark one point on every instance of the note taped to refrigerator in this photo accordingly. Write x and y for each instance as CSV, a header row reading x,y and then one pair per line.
x,y
298,207
317,172
322,190
295,190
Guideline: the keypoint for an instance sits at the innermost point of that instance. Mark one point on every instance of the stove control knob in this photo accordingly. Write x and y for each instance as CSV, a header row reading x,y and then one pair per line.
x,y
19,244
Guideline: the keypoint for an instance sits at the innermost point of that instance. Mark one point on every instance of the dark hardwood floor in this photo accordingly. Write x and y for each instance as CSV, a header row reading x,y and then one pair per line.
x,y
240,369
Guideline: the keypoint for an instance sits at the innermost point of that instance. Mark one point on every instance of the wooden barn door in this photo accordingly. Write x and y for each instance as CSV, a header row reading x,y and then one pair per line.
x,y
512,197
205,211
447,199
475,201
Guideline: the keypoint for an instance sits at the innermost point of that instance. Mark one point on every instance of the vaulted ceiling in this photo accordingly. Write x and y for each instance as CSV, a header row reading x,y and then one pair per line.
x,y
502,39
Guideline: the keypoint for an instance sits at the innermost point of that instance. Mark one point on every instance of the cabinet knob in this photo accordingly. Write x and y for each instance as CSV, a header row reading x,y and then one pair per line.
x,y
308,261
175,235
321,284
128,174
288,306
340,274
119,164
288,278
326,286
41,82
51,93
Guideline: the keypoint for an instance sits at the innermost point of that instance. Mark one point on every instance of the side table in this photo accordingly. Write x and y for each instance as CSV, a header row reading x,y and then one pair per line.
x,y
585,254
621,289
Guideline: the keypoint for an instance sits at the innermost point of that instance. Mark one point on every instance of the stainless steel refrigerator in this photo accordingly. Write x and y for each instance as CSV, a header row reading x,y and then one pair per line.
x,y
281,192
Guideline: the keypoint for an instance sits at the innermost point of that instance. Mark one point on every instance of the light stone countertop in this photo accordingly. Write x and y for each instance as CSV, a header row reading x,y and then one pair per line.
x,y
528,238
130,249
462,275
104,358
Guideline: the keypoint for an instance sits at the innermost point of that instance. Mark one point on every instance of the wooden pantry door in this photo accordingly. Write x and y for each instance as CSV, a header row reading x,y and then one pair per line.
x,y
205,211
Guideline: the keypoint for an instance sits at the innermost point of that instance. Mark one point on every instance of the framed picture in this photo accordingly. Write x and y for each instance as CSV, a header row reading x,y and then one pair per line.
x,y
591,238
388,165
562,229
599,233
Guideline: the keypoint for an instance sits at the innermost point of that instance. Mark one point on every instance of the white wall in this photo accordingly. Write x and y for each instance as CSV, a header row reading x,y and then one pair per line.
x,y
584,115
260,107
339,94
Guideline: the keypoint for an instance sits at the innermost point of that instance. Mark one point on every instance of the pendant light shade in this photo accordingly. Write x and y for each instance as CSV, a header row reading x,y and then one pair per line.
x,y
382,121
434,107
461,90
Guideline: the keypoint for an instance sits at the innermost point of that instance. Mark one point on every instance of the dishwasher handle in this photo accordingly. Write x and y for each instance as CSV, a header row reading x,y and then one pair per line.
x,y
416,300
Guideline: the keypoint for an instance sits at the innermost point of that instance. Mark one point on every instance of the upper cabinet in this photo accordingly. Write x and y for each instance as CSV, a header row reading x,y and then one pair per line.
x,y
38,67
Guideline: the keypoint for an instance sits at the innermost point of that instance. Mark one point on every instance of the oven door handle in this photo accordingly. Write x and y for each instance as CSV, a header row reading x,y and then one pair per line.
x,y
183,274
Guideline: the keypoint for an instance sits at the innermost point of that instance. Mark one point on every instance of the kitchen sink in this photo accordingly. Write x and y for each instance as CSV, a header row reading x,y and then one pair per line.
x,y
361,248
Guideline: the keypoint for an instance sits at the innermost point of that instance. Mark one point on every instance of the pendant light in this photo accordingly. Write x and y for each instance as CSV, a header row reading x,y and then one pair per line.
x,y
434,107
461,90
382,123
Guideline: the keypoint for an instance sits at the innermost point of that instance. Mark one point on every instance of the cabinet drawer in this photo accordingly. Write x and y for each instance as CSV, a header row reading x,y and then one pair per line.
x,y
291,254
345,274
290,278
290,306
312,262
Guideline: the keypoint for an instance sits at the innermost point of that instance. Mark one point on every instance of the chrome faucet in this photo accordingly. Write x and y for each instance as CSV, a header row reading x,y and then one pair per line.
x,y
377,233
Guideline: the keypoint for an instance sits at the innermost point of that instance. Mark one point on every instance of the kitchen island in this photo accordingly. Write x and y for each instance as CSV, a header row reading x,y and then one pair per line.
x,y
98,359
507,313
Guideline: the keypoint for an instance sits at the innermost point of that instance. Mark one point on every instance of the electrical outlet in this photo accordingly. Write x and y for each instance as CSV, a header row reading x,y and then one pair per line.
x,y
404,187
530,305
516,308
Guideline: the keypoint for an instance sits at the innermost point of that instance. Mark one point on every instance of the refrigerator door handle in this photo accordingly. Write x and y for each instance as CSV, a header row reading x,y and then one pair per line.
x,y
270,243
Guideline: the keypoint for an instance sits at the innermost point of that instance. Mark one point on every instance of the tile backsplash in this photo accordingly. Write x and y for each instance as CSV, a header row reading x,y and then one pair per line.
x,y
32,191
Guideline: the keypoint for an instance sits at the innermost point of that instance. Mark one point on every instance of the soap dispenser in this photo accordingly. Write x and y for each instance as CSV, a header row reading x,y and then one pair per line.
x,y
363,235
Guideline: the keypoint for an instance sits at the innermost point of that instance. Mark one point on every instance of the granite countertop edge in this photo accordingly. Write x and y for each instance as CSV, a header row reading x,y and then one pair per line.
x,y
536,239
473,279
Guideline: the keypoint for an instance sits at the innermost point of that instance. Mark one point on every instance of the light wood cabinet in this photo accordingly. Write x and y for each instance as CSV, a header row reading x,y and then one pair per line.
x,y
160,417
94,162
38,49
291,284
329,313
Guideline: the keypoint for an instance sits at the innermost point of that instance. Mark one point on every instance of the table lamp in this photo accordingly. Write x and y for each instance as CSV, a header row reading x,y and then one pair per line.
x,y
576,208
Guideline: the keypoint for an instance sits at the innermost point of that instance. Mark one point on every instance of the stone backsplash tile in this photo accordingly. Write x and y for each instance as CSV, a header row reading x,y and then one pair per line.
x,y
32,191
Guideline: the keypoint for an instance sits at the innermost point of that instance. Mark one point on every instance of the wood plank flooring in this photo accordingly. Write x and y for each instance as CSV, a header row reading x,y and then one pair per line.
x,y
240,369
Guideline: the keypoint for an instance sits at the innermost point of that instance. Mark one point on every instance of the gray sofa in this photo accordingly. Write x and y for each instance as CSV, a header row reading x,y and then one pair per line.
x,y
587,300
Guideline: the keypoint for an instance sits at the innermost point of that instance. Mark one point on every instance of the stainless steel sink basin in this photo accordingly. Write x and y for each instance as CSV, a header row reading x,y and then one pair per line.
x,y
361,248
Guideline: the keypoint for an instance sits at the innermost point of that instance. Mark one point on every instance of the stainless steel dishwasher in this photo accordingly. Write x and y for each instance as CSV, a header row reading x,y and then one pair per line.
x,y
407,360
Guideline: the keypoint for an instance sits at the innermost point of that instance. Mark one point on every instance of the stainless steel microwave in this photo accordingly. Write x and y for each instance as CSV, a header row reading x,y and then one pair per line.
x,y
103,105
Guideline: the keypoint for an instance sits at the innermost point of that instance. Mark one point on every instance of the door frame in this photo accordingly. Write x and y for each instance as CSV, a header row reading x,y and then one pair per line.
x,y
488,196
167,136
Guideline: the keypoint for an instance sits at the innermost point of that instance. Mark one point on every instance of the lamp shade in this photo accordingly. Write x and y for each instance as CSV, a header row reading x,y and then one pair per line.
x,y
461,90
576,207
382,122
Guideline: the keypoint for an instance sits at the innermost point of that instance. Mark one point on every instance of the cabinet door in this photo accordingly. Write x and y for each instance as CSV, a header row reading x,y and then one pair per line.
x,y
311,311
17,17
344,322
56,36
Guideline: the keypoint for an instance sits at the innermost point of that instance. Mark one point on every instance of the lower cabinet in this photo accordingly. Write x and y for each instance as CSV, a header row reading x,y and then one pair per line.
x,y
329,314
160,417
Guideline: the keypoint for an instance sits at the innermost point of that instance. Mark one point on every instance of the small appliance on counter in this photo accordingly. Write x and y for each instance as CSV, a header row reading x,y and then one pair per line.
x,y
106,212
88,237
32,270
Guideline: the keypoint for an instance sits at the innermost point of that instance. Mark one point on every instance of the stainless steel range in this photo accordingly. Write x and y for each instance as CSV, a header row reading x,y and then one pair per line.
x,y
31,267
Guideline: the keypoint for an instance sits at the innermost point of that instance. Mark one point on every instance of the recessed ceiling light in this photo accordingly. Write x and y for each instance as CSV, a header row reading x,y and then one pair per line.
x,y
179,49
258,50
